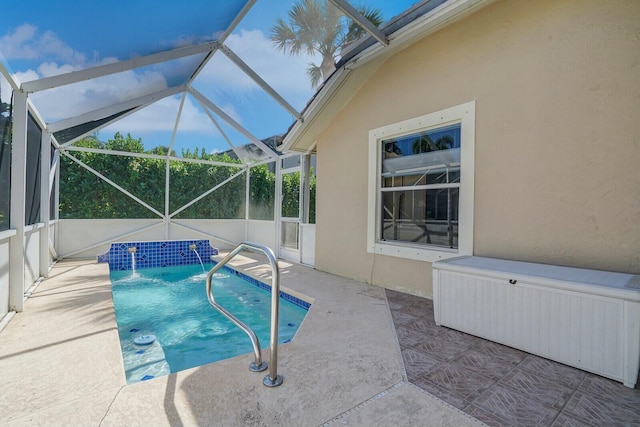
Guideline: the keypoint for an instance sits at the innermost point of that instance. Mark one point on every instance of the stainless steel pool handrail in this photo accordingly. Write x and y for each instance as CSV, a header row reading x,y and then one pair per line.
x,y
272,379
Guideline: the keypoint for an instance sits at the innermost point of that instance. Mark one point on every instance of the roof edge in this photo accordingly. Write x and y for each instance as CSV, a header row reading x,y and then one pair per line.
x,y
418,27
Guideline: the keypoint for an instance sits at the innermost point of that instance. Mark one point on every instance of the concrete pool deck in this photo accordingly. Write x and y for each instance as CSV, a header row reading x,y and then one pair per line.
x,y
61,363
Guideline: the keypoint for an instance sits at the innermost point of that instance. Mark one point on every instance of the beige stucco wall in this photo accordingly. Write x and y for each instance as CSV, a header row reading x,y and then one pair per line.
x,y
557,162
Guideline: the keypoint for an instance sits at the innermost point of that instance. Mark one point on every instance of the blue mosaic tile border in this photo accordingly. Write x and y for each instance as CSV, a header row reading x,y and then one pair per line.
x,y
296,301
157,254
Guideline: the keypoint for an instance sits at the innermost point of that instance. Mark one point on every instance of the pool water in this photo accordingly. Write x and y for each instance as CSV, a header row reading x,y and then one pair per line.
x,y
171,303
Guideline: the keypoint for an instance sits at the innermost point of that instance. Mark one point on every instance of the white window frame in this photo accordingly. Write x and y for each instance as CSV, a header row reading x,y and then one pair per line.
x,y
463,114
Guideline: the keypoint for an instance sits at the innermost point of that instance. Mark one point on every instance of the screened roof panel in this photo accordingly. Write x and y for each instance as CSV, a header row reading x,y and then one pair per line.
x,y
71,133
40,32
90,61
232,141
224,84
139,124
113,89
287,74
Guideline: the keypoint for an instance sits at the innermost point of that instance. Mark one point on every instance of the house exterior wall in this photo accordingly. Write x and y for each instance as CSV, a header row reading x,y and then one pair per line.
x,y
557,157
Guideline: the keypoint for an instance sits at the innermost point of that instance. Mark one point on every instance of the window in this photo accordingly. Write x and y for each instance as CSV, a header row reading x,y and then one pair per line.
x,y
421,186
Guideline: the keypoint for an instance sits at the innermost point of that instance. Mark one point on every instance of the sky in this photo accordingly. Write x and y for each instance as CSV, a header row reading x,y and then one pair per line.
x,y
40,38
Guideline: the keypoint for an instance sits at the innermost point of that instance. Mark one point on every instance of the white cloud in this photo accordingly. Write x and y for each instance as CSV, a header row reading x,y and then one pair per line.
x,y
161,117
47,69
232,112
26,42
72,100
286,74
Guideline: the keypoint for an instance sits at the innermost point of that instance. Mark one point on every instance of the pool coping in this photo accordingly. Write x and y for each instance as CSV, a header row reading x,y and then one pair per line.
x,y
299,299
62,356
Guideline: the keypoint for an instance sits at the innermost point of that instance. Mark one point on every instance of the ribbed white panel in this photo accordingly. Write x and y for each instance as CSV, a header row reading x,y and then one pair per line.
x,y
579,329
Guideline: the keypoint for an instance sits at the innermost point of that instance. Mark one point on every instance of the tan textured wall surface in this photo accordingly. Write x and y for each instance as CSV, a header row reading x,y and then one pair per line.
x,y
557,90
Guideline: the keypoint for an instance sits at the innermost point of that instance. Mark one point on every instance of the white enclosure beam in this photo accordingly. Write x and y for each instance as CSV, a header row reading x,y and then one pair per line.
x,y
167,170
204,100
149,156
223,37
353,13
211,236
167,186
116,67
247,201
217,125
96,129
110,239
45,202
239,17
17,211
175,125
305,194
277,207
203,64
56,214
259,81
54,142
114,109
53,172
206,193
8,75
35,114
113,184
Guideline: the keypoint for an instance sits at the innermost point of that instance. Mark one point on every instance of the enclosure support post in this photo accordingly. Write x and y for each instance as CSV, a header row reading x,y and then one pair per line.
x,y
17,212
45,202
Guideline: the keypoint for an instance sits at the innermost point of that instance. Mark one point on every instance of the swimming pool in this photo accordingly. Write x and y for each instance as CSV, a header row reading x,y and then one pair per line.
x,y
171,304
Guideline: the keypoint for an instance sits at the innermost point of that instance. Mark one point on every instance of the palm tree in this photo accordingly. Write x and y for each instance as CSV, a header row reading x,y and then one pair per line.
x,y
317,27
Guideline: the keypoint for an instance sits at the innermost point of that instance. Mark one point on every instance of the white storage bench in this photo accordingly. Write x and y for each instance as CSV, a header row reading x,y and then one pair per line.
x,y
584,318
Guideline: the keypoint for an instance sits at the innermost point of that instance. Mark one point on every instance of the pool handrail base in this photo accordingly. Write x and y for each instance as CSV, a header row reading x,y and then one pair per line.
x,y
272,379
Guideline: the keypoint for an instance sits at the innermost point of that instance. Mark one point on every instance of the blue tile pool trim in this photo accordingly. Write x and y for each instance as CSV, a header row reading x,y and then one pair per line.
x,y
176,252
293,300
157,254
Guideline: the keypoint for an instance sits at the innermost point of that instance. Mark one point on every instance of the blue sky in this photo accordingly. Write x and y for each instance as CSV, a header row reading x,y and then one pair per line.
x,y
42,38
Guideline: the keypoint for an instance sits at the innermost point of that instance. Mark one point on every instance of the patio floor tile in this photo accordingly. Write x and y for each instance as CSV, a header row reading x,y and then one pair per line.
x,y
417,363
500,385
458,380
601,412
408,337
440,348
608,389
563,374
484,364
426,325
565,420
402,318
500,351
538,388
448,396
515,408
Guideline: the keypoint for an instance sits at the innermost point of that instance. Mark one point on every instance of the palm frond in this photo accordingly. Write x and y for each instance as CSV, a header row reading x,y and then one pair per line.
x,y
315,75
355,31
318,27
